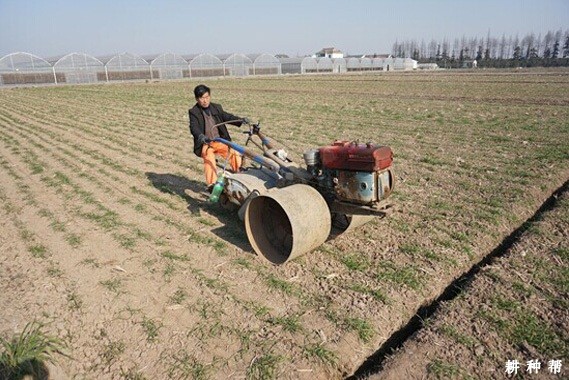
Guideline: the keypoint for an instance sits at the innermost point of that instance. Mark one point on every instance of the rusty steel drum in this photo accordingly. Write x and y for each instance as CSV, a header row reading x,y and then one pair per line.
x,y
288,222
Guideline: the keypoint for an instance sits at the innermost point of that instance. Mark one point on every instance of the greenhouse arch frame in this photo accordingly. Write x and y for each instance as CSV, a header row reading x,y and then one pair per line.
x,y
309,65
324,65
206,65
267,64
79,68
170,66
25,68
238,65
126,67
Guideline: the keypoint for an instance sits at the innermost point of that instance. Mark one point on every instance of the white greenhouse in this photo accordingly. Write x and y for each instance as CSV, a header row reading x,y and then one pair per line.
x,y
324,65
309,65
340,65
169,66
238,65
365,64
128,66
79,68
206,65
353,64
25,68
388,64
404,64
377,63
291,65
266,64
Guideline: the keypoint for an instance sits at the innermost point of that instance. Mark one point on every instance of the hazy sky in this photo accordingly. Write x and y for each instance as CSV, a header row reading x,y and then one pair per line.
x,y
56,27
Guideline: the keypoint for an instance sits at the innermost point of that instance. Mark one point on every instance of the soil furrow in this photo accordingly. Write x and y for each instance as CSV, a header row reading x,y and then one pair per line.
x,y
374,364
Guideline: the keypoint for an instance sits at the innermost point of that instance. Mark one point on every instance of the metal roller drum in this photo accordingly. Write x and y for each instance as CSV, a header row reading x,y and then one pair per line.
x,y
287,222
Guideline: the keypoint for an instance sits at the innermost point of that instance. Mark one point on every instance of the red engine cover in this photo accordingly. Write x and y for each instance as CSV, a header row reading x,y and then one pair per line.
x,y
351,156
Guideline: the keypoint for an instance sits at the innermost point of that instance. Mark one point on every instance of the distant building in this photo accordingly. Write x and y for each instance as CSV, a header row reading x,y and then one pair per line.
x,y
399,64
469,64
330,52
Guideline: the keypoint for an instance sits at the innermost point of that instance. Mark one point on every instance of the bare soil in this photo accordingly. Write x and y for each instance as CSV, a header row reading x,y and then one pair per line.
x,y
107,239
516,309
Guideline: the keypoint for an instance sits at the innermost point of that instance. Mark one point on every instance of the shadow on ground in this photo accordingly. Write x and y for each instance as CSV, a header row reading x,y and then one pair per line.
x,y
232,230
28,369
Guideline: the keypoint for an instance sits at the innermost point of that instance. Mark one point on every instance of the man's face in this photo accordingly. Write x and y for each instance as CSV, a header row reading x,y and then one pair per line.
x,y
203,100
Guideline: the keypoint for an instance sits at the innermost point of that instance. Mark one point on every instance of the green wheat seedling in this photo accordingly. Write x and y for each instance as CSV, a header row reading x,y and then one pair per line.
x,y
91,261
321,353
169,271
38,251
26,352
54,271
403,276
174,257
125,241
453,333
377,294
443,370
73,240
280,285
291,324
179,296
74,301
112,351
264,367
132,374
212,283
185,366
34,164
356,262
114,285
244,262
151,329
362,327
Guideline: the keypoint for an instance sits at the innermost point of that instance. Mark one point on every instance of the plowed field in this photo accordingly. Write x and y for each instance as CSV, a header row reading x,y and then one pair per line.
x,y
106,237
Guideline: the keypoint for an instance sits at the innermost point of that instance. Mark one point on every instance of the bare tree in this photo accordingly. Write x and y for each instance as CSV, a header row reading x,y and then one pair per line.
x,y
455,48
432,50
566,45
527,44
423,49
491,51
494,48
537,45
502,53
515,45
547,44
555,52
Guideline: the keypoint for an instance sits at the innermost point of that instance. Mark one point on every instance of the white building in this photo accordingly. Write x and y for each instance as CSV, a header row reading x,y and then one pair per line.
x,y
399,64
330,52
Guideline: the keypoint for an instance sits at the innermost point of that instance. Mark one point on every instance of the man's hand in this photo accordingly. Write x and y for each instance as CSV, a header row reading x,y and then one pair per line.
x,y
202,139
246,120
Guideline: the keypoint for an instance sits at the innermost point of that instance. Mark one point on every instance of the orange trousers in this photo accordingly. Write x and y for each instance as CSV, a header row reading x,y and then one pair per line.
x,y
208,155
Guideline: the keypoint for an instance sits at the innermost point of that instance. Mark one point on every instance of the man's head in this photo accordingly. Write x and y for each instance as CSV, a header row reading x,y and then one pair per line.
x,y
202,94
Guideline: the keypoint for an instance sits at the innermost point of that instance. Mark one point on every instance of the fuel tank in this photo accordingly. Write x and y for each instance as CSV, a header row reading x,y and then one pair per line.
x,y
345,155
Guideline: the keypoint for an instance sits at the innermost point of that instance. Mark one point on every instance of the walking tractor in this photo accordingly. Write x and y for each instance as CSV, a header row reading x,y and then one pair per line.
x,y
289,210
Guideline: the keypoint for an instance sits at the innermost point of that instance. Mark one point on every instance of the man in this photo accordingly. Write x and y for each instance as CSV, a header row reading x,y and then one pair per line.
x,y
204,115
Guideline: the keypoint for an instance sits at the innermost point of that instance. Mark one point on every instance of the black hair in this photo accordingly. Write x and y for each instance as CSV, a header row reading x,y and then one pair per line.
x,y
200,90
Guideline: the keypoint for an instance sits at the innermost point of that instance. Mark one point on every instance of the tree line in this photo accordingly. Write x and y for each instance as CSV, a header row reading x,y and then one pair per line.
x,y
551,49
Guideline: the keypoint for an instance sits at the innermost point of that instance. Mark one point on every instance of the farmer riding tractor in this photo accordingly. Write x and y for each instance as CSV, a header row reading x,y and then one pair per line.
x,y
288,210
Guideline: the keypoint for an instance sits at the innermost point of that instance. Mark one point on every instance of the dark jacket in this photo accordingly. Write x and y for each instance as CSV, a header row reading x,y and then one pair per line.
x,y
197,123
